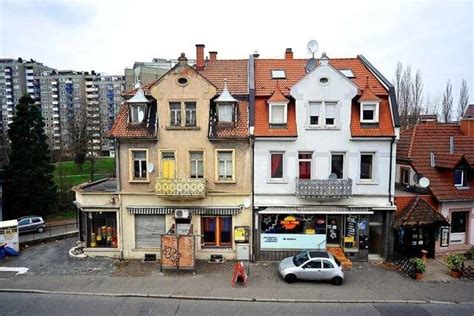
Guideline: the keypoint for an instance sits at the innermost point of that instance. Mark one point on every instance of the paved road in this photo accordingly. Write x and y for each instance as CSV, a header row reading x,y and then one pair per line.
x,y
55,229
51,304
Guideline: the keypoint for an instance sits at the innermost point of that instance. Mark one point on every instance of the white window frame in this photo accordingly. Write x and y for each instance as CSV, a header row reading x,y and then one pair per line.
x,y
178,119
285,112
224,116
224,180
135,110
462,184
322,115
196,163
190,113
376,112
284,171
402,178
372,175
344,162
132,165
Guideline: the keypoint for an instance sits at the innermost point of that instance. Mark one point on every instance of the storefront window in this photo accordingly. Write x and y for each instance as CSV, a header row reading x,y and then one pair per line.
x,y
102,229
216,231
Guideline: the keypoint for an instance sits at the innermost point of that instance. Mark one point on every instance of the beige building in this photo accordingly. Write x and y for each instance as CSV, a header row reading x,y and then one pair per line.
x,y
183,166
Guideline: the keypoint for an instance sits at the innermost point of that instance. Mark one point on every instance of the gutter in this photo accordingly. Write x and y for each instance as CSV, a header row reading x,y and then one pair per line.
x,y
390,173
251,88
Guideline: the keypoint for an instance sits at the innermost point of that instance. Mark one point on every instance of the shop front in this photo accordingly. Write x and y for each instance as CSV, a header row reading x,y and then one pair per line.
x,y
285,231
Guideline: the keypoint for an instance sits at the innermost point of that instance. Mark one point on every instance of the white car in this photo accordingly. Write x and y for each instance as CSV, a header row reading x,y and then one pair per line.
x,y
312,265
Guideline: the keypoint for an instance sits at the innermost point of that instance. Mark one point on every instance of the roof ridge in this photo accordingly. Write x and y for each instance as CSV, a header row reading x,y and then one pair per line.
x,y
413,135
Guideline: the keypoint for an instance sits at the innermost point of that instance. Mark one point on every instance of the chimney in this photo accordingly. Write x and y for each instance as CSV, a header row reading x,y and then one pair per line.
x,y
213,56
200,56
432,160
451,144
288,53
182,60
428,119
467,121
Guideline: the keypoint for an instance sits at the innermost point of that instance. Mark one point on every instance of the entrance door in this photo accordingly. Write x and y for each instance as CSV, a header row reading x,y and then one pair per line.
x,y
375,238
458,227
334,228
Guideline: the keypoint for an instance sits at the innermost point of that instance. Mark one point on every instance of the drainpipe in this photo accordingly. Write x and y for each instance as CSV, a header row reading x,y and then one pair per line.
x,y
251,124
119,187
390,174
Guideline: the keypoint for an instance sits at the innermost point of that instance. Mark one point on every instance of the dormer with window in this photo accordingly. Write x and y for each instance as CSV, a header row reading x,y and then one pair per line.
x,y
138,105
369,106
226,106
277,108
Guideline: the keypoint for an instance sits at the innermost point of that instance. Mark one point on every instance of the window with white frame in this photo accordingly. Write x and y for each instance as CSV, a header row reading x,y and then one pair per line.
x,y
405,176
225,166
322,113
314,113
225,112
369,112
459,178
139,165
276,165
366,166
197,164
330,113
175,113
278,113
190,113
337,165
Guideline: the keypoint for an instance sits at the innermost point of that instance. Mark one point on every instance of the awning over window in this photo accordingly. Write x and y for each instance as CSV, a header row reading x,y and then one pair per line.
x,y
317,210
166,210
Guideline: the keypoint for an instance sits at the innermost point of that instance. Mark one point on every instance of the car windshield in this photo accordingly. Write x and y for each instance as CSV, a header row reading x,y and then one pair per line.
x,y
300,258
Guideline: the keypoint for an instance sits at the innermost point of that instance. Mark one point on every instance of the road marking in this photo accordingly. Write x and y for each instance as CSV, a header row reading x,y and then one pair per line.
x,y
13,269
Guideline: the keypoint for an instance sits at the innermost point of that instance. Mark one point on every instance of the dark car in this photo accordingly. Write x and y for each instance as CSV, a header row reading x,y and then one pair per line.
x,y
31,224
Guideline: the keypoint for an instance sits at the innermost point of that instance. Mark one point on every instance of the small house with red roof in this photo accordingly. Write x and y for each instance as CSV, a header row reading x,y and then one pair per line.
x,y
325,136
437,160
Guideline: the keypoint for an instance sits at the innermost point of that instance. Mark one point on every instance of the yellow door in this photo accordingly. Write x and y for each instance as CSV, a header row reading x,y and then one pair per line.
x,y
168,168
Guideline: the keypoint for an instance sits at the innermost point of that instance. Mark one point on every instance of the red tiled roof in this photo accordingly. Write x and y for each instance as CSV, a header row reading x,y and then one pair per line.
x,y
368,95
277,96
262,126
446,160
417,212
295,71
122,129
235,71
423,139
469,111
235,130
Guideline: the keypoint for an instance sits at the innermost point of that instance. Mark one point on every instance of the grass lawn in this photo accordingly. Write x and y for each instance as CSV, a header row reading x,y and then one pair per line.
x,y
104,167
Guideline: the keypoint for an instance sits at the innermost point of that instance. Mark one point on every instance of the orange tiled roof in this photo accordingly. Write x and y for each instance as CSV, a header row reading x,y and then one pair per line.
x,y
446,160
122,129
262,126
423,139
368,95
235,71
277,96
295,71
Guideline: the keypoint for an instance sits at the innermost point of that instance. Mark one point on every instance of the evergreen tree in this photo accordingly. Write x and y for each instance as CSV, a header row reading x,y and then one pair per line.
x,y
29,188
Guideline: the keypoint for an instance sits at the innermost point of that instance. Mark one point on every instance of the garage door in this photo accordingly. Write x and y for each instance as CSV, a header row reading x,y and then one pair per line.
x,y
148,229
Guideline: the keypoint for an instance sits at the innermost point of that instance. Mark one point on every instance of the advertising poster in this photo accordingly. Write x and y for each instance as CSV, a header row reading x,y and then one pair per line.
x,y
293,231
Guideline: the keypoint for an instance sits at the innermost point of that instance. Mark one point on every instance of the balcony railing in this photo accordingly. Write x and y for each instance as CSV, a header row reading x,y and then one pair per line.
x,y
323,188
181,188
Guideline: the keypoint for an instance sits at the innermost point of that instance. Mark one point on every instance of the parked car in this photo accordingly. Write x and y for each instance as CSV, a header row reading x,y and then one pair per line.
x,y
31,224
312,265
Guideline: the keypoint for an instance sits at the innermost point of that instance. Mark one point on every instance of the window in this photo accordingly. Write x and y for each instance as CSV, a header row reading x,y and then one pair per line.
x,y
225,112
276,171
458,222
330,113
278,74
314,113
277,113
101,229
24,222
459,178
366,162
347,72
168,165
197,164
225,165
175,113
327,265
369,113
304,165
216,231
190,113
139,165
405,176
138,113
315,264
337,165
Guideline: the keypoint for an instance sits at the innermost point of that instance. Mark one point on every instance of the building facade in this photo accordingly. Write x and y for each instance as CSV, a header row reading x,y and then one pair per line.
x,y
437,160
324,157
183,166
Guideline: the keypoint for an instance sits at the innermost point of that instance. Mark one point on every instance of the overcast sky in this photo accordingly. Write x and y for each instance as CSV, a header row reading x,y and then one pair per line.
x,y
107,36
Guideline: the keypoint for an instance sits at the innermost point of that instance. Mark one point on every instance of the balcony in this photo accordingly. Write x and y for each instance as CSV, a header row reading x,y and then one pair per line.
x,y
181,189
323,188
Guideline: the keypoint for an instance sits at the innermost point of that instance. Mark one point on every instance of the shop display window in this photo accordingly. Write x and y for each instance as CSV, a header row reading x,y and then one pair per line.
x,y
101,229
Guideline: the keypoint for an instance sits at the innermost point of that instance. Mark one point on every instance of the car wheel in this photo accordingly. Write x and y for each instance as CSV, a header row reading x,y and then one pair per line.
x,y
40,230
290,278
337,281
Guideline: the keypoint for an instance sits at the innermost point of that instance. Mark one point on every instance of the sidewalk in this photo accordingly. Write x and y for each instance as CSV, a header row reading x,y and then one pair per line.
x,y
102,276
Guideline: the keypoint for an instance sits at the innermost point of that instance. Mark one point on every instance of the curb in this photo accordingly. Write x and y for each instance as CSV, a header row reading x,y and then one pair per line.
x,y
231,299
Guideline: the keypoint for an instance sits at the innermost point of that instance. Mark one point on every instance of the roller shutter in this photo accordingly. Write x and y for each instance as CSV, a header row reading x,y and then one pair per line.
x,y
148,230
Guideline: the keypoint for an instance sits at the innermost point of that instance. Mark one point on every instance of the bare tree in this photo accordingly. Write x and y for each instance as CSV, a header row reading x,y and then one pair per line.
x,y
447,105
463,98
78,135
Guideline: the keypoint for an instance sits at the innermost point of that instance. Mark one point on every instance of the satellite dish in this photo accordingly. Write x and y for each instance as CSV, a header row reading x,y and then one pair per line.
x,y
333,176
150,167
246,202
310,65
424,182
312,47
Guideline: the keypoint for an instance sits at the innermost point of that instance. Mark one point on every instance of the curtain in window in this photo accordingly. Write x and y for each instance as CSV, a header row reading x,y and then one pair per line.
x,y
278,114
277,165
226,230
225,112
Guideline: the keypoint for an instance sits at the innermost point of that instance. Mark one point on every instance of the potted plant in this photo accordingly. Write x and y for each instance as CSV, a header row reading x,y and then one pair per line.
x,y
420,267
455,262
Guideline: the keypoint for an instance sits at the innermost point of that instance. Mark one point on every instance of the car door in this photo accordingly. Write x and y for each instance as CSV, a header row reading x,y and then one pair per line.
x,y
24,225
328,271
311,270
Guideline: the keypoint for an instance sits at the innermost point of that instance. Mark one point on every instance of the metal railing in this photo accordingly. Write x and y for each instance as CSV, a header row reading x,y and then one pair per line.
x,y
181,188
57,229
323,188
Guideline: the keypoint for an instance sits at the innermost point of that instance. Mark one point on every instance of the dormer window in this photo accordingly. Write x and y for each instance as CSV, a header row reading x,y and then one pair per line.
x,y
369,112
459,178
138,113
225,112
278,113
